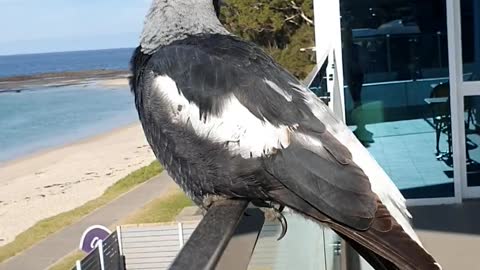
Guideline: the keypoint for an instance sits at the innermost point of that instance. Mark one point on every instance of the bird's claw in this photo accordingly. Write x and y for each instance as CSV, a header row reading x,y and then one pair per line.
x,y
272,213
209,200
284,224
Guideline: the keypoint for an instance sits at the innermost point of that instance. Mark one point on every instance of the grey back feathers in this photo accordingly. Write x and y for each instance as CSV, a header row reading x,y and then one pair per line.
x,y
171,20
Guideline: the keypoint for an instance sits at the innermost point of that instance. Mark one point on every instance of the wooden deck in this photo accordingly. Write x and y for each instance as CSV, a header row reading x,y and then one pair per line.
x,y
451,233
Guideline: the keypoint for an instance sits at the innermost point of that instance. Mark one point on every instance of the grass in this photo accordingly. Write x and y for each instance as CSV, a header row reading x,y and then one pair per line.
x,y
160,210
68,262
46,227
163,209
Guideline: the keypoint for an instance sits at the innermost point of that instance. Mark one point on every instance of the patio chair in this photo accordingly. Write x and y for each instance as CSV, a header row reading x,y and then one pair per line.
x,y
441,117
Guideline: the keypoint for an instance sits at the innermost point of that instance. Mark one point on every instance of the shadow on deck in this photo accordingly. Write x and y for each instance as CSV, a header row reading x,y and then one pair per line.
x,y
451,233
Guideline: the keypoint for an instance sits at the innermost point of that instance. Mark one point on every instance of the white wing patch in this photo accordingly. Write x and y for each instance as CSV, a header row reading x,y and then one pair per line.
x,y
241,131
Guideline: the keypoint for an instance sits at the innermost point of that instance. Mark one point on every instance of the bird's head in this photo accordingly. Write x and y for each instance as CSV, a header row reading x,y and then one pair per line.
x,y
171,20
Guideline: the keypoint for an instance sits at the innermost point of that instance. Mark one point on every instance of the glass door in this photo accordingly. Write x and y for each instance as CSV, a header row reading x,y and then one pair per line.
x,y
398,95
465,49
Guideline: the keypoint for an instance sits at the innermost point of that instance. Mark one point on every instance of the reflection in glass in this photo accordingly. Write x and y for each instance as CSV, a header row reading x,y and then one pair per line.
x,y
471,39
306,246
470,10
396,40
395,58
472,139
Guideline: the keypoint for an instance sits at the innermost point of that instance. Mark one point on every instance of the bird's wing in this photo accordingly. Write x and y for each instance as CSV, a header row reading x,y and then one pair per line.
x,y
230,91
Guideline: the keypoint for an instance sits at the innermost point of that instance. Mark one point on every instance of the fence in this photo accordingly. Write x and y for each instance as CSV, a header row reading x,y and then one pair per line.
x,y
152,246
107,255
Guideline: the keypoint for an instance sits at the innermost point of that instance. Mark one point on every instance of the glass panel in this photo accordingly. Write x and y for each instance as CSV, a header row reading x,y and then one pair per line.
x,y
305,246
396,90
471,39
472,139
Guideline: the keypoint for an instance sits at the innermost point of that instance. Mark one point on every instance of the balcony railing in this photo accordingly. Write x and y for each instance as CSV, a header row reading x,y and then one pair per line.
x,y
230,236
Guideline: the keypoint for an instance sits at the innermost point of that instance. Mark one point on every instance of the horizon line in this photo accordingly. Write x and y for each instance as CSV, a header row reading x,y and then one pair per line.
x,y
54,52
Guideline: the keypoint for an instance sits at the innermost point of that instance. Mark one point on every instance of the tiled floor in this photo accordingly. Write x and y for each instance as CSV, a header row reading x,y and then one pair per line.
x,y
406,151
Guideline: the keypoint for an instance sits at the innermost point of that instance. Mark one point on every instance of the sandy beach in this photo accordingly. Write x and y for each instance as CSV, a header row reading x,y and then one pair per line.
x,y
58,180
106,78
114,83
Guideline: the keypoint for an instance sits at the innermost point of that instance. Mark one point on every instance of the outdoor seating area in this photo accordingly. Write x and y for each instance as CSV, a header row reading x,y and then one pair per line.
x,y
416,153
406,151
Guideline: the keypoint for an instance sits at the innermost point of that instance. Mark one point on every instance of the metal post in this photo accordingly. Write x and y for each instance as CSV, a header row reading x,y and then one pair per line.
x,y
389,53
180,234
78,265
456,96
119,236
120,249
323,29
338,100
100,253
439,45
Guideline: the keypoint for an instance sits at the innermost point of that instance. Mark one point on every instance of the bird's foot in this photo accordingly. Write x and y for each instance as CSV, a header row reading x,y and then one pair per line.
x,y
209,200
227,143
273,213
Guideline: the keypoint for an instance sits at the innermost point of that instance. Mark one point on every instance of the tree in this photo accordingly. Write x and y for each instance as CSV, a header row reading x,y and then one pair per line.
x,y
281,27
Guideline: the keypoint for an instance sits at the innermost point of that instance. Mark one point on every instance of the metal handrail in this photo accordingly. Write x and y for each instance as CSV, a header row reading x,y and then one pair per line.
x,y
215,235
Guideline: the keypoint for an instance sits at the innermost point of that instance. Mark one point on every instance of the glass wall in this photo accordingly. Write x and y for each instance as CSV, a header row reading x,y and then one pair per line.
x,y
306,246
397,92
472,139
470,11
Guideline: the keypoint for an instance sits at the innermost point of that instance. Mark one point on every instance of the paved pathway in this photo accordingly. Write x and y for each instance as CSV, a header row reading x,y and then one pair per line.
x,y
55,247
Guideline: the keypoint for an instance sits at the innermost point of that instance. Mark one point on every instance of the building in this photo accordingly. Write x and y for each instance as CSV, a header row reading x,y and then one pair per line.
x,y
405,75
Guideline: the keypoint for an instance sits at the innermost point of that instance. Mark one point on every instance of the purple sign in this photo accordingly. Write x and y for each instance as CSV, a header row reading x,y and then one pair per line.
x,y
91,236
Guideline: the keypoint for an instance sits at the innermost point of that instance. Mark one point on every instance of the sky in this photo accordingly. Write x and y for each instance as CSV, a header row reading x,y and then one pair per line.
x,y
35,26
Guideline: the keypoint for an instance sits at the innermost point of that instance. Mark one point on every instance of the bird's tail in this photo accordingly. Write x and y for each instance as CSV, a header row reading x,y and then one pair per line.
x,y
376,261
385,245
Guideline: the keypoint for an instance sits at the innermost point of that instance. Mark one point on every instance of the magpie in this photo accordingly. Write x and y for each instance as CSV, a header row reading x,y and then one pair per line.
x,y
226,121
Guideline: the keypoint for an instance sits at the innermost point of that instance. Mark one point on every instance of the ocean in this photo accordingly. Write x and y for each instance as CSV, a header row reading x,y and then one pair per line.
x,y
39,119
35,120
30,64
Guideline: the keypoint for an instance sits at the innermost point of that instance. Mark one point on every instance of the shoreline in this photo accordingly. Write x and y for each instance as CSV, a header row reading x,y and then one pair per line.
x,y
58,179
105,78
81,141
